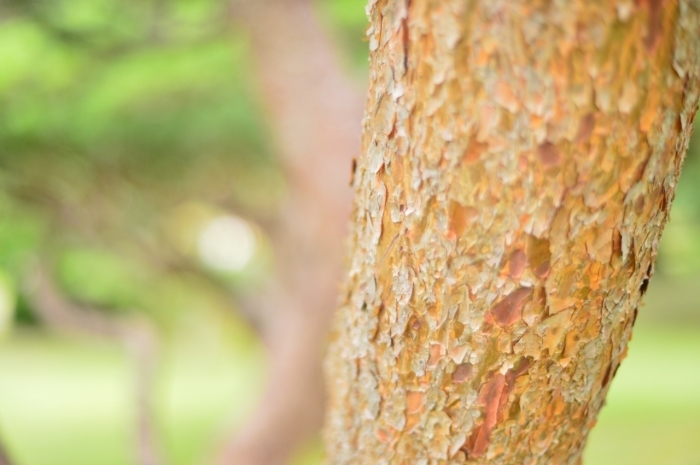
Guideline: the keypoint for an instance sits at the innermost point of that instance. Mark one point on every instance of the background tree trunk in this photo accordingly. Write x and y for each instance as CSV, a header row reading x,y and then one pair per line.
x,y
519,162
315,113
4,456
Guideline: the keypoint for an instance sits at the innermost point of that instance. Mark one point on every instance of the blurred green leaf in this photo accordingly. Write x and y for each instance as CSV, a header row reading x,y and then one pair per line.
x,y
100,277
22,232
349,21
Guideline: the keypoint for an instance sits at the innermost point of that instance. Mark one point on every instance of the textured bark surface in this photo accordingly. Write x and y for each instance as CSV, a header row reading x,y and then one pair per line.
x,y
519,162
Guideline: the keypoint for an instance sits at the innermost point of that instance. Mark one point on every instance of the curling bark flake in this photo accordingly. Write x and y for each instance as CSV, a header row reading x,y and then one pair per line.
x,y
519,162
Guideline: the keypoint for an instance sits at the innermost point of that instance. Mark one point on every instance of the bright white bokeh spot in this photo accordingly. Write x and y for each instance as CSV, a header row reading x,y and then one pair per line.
x,y
226,243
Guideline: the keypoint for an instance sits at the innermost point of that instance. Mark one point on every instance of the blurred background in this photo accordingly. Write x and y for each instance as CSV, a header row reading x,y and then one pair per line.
x,y
138,183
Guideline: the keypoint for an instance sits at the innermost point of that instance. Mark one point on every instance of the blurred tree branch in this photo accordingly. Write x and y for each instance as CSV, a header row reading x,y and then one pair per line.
x,y
61,314
4,456
315,112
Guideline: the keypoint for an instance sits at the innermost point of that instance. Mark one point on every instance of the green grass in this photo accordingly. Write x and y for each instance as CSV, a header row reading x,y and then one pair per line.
x,y
65,402
652,415
68,402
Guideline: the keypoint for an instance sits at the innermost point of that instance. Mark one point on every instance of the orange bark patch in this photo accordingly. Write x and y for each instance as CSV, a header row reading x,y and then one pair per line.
x,y
490,398
474,151
517,264
488,120
505,97
629,97
511,376
463,373
436,352
416,324
414,401
651,110
655,24
539,256
548,154
508,311
494,397
585,128
383,435
460,217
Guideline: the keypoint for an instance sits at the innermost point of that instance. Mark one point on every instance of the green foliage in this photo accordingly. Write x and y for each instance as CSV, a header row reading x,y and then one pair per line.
x,y
680,246
112,113
349,22
153,107
21,234
100,277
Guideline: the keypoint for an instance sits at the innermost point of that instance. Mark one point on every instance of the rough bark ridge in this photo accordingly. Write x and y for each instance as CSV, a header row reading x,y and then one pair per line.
x,y
519,161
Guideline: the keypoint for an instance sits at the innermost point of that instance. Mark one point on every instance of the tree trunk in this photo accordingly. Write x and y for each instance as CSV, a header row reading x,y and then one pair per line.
x,y
314,111
4,456
519,162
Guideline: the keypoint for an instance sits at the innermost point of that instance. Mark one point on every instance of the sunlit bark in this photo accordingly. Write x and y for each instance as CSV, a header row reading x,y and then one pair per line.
x,y
519,162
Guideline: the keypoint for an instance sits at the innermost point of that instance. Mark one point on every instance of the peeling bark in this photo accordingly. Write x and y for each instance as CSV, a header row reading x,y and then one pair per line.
x,y
519,162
